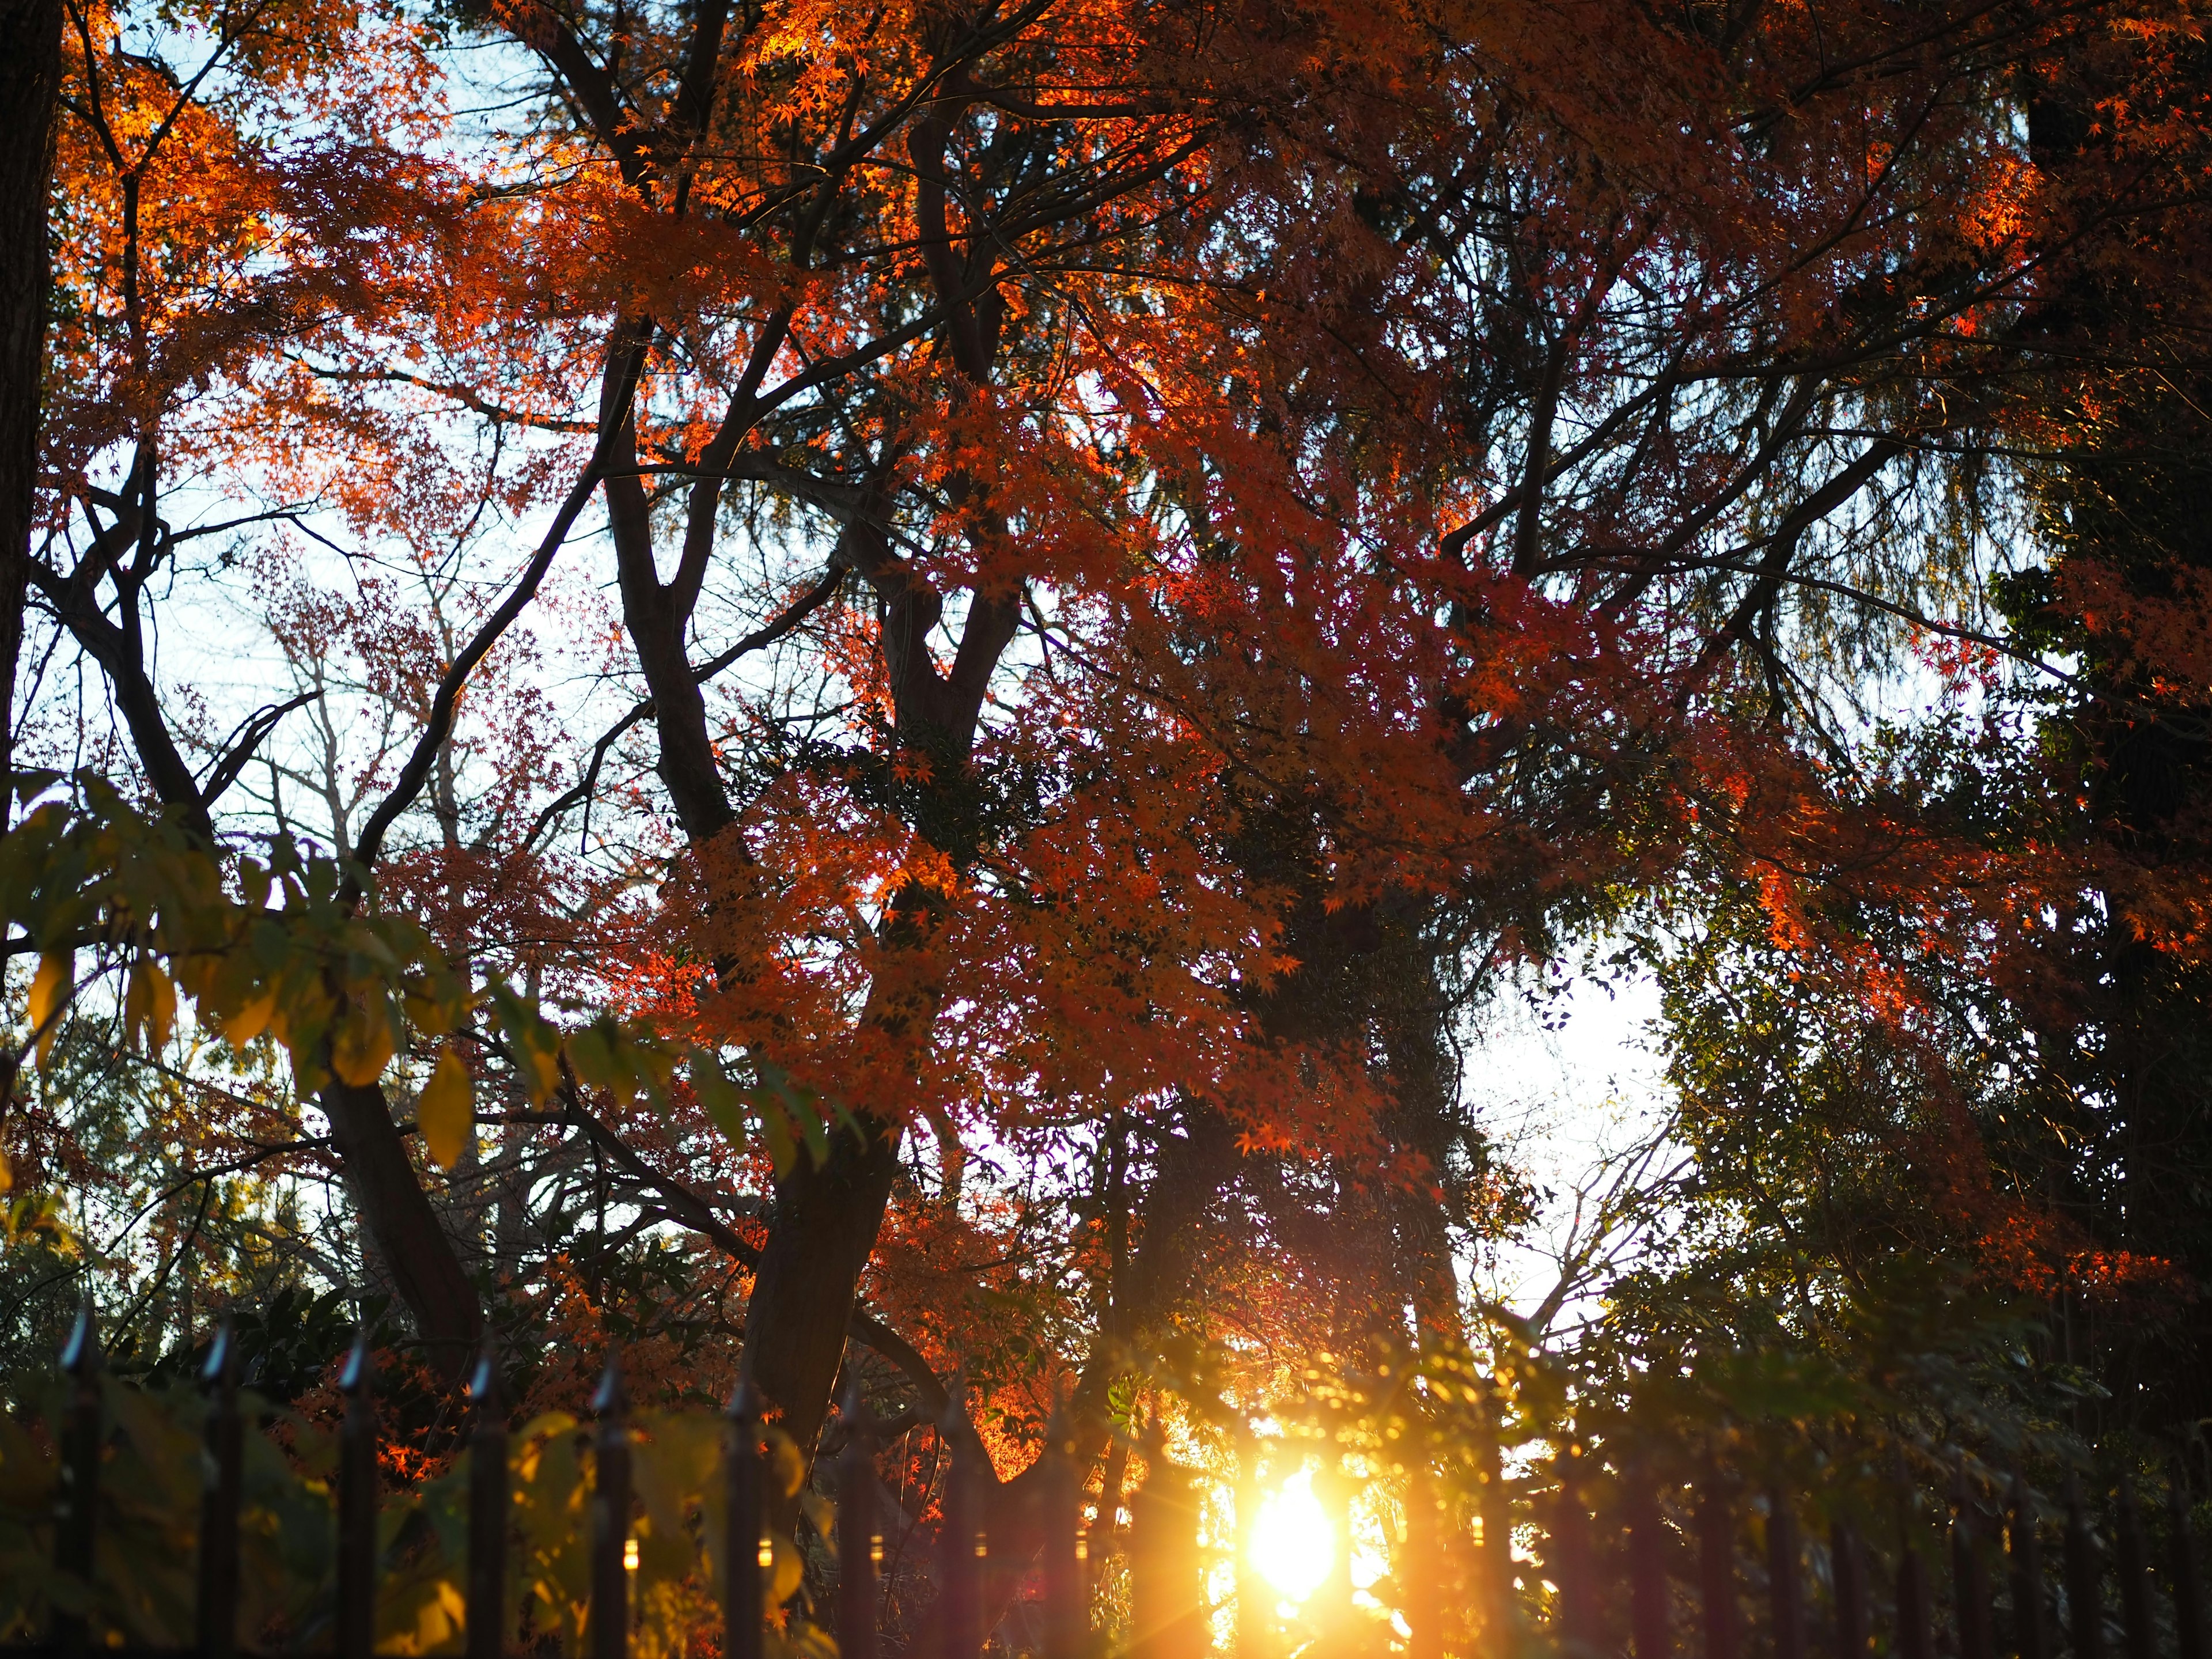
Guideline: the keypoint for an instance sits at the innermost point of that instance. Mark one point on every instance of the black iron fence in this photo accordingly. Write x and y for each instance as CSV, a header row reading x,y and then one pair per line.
x,y
1580,1551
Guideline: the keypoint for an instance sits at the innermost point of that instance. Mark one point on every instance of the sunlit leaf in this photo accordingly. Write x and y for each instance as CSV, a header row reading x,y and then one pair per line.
x,y
446,1111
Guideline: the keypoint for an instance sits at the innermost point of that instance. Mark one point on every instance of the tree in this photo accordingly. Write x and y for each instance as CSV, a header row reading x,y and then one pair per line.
x,y
1159,555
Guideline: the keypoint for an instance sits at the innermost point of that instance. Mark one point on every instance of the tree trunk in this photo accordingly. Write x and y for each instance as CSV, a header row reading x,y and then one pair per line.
x,y
403,1231
30,73
825,1227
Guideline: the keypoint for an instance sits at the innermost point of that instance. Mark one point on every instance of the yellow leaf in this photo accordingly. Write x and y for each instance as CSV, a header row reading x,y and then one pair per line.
x,y
250,1021
724,1104
150,1002
7,1175
775,1130
49,991
447,1112
361,1048
543,1075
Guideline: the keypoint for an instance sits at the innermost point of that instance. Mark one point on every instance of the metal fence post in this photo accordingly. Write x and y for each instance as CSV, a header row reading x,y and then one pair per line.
x,y
745,1544
1647,1567
1423,1591
1786,1593
859,1537
1847,1568
1166,1591
1715,1566
1067,1619
1580,1620
2135,1582
1970,1579
610,1490
2031,1637
489,1505
1494,1516
1915,1637
2085,1590
83,1435
961,1545
2187,1601
356,1597
216,1608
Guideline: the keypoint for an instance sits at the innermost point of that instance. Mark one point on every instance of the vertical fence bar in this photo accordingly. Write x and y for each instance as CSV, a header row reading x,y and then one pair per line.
x,y
2031,1635
1647,1567
1166,1591
1715,1567
1914,1634
961,1545
1494,1516
1424,1571
1256,1608
216,1612
2135,1582
1785,1592
610,1494
1970,1579
77,1512
1067,1617
745,1549
860,1534
489,1505
2085,1590
1915,1640
1579,1618
356,1596
1847,1569
2181,1544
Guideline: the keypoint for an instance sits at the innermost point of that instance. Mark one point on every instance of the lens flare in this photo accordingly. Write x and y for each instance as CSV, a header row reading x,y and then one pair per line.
x,y
1292,1544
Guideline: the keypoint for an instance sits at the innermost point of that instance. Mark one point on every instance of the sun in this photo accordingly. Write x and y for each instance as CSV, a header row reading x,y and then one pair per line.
x,y
1293,1545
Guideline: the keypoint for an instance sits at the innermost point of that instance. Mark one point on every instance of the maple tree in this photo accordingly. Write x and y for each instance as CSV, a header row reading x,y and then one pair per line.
x,y
967,636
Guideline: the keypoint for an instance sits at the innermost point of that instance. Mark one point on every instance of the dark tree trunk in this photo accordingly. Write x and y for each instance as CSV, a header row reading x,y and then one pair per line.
x,y
824,1232
403,1231
30,73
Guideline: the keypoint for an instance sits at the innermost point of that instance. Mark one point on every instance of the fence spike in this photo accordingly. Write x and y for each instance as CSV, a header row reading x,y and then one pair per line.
x,y
2135,1582
610,1503
1847,1570
745,1537
77,1512
216,1609
2188,1600
2031,1633
1647,1567
859,1538
2085,1590
1784,1589
1970,1579
490,1506
1715,1567
1067,1619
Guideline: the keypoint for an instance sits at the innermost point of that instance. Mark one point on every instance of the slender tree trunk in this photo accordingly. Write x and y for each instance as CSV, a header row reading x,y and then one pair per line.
x,y
402,1229
30,73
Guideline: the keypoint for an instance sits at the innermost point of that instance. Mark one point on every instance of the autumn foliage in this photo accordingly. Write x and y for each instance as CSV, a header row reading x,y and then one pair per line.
x,y
889,692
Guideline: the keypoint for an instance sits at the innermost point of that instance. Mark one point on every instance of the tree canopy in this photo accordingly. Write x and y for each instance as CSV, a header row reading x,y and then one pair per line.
x,y
887,692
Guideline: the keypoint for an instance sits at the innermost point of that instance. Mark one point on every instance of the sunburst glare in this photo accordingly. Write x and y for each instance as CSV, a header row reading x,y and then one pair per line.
x,y
1292,1544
